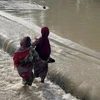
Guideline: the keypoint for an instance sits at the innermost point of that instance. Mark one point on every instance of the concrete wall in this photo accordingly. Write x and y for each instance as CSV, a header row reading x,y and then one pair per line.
x,y
76,73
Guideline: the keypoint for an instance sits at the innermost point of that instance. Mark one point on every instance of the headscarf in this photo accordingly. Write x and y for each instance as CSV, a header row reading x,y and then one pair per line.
x,y
25,42
45,32
22,51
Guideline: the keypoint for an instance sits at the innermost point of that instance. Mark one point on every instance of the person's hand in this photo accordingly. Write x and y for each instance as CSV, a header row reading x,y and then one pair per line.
x,y
50,60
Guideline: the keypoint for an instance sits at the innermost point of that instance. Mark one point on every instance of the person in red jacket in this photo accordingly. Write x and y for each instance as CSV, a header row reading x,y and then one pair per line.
x,y
22,63
25,59
43,45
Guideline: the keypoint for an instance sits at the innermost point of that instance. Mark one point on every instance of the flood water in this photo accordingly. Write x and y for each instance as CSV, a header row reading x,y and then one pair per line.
x,y
76,20
12,89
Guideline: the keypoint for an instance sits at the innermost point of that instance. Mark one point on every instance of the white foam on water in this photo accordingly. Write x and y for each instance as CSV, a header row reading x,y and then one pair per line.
x,y
68,96
22,5
17,86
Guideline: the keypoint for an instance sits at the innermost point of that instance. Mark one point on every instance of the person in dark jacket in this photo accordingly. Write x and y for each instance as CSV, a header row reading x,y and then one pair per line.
x,y
25,59
43,45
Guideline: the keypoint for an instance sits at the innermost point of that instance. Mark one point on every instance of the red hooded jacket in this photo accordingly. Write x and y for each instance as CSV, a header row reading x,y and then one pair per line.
x,y
43,46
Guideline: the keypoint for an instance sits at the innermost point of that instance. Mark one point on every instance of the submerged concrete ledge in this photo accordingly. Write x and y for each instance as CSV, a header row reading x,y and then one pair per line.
x,y
74,72
7,45
54,37
78,74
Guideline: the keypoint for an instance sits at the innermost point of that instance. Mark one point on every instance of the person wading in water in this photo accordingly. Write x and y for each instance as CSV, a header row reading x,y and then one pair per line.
x,y
25,59
43,45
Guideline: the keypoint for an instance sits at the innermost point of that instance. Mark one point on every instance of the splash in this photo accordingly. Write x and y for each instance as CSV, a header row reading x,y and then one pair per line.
x,y
17,86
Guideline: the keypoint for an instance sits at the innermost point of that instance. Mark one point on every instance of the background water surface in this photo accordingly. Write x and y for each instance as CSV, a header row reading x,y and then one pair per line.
x,y
76,20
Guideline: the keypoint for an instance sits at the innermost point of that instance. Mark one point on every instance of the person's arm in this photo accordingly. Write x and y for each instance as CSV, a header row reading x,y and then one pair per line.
x,y
36,42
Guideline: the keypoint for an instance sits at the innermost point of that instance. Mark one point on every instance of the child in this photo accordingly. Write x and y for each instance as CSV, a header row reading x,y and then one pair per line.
x,y
43,46
26,59
22,63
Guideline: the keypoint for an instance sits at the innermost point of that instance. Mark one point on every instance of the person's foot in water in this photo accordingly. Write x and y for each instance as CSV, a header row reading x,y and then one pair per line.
x,y
29,83
37,80
26,82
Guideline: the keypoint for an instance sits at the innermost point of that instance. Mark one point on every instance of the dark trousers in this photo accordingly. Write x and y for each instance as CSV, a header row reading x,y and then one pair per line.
x,y
41,69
